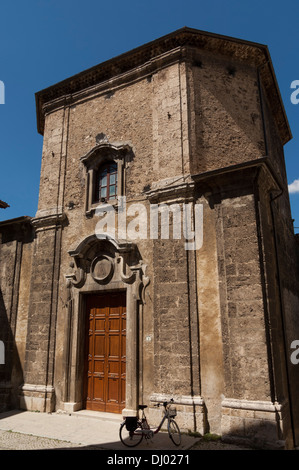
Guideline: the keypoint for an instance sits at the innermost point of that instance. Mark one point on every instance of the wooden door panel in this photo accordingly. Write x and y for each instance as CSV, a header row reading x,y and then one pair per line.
x,y
113,368
113,347
113,325
98,389
100,325
106,352
112,390
99,346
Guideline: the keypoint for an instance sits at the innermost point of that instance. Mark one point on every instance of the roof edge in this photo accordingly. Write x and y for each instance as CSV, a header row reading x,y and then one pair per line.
x,y
17,220
256,52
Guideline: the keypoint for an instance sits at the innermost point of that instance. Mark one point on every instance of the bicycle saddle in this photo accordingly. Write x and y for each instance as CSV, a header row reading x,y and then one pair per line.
x,y
142,407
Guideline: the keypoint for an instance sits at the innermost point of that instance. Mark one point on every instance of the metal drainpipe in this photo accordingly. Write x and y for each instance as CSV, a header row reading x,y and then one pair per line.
x,y
272,199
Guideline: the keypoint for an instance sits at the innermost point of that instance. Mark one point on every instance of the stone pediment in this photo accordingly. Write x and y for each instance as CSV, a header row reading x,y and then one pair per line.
x,y
102,151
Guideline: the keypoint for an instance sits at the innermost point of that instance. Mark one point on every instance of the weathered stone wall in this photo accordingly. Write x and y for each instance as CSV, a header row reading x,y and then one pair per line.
x,y
243,323
8,256
52,171
15,241
38,390
22,319
225,111
287,269
282,269
209,331
202,117
171,319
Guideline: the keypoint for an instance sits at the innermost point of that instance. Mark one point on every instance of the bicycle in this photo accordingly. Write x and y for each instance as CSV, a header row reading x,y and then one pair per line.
x,y
134,429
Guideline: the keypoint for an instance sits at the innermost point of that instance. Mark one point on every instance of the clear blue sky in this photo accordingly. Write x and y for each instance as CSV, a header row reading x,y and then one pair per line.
x,y
45,41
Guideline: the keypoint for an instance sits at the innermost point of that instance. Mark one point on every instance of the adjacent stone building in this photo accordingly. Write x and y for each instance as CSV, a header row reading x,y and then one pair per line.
x,y
187,286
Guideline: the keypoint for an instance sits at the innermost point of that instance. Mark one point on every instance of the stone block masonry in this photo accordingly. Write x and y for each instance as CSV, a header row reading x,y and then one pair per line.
x,y
191,118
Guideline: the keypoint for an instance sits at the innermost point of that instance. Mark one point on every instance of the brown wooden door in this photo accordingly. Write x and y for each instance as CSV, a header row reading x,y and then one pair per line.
x,y
105,367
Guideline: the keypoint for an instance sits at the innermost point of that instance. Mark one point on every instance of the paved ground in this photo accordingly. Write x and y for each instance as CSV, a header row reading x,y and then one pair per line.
x,y
83,431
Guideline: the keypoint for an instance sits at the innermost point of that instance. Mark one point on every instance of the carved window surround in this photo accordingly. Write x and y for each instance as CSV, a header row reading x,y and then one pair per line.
x,y
104,152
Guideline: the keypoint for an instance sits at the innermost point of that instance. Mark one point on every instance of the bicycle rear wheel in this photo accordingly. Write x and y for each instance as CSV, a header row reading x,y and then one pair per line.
x,y
130,438
174,432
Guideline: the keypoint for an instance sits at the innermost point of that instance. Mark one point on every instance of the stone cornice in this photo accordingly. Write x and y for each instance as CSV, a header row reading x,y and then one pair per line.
x,y
18,220
48,222
178,189
147,58
212,181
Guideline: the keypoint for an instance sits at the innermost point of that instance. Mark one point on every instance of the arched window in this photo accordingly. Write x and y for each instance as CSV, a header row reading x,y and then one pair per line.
x,y
106,182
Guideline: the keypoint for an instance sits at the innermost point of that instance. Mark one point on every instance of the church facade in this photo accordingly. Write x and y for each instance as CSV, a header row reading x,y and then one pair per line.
x,y
162,261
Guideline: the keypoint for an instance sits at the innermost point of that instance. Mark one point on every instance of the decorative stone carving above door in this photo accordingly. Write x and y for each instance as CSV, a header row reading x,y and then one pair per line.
x,y
102,269
106,260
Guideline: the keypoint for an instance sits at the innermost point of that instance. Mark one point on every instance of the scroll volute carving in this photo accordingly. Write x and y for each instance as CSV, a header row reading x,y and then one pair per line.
x,y
76,276
126,274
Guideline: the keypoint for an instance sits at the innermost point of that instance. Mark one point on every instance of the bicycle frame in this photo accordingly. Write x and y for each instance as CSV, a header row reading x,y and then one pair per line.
x,y
139,427
145,426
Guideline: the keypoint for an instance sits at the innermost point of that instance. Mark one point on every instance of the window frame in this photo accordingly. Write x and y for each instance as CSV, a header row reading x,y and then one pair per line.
x,y
101,155
97,196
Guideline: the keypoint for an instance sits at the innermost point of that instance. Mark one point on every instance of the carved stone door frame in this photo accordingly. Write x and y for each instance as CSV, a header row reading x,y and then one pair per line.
x,y
98,266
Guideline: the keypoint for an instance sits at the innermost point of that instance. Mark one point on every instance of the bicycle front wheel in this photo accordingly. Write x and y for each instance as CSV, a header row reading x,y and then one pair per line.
x,y
130,438
174,432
